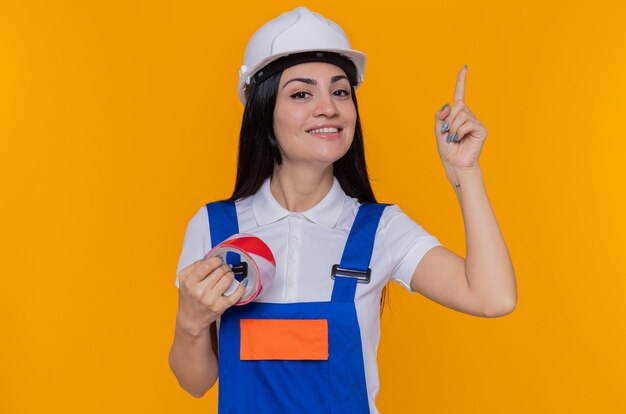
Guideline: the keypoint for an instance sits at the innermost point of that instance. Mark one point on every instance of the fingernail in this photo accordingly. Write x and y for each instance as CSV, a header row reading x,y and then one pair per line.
x,y
456,137
245,282
443,107
449,137
444,128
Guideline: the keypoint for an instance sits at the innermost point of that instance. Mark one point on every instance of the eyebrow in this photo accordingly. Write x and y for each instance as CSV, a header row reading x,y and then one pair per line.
x,y
310,81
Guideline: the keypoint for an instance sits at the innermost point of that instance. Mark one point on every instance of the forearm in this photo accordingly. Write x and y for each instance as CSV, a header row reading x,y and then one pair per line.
x,y
488,265
193,361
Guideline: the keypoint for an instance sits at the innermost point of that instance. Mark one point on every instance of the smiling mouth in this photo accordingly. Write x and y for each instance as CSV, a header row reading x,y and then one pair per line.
x,y
325,131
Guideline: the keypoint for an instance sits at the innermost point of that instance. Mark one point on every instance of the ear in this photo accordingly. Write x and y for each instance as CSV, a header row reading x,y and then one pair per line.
x,y
274,148
273,142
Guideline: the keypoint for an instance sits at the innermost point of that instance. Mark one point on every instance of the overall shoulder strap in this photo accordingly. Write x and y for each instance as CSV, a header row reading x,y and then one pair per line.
x,y
357,253
223,224
222,221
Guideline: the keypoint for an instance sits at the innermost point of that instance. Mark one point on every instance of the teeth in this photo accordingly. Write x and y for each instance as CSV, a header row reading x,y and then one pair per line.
x,y
323,131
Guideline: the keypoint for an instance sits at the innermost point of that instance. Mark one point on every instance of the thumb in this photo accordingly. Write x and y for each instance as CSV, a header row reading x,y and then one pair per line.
x,y
239,292
443,112
440,115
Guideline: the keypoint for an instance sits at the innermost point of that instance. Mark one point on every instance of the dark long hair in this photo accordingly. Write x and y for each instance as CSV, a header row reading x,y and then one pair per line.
x,y
258,149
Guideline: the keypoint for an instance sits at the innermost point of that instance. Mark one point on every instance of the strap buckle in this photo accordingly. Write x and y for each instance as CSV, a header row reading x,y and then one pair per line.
x,y
361,276
240,270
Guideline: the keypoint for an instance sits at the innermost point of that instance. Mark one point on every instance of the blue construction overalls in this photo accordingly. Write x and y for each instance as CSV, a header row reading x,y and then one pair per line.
x,y
332,384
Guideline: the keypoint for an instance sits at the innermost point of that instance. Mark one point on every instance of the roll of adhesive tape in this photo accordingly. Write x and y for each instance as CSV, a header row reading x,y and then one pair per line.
x,y
260,260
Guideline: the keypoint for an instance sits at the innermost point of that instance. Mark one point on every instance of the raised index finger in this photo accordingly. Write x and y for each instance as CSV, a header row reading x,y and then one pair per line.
x,y
459,91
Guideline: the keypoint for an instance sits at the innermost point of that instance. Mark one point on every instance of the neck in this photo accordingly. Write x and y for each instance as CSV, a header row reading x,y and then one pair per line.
x,y
300,189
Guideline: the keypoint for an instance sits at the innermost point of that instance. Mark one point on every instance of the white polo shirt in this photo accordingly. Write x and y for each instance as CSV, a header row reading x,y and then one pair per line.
x,y
307,244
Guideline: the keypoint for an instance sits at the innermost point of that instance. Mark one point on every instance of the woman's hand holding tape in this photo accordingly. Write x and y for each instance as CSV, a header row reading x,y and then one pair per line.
x,y
201,297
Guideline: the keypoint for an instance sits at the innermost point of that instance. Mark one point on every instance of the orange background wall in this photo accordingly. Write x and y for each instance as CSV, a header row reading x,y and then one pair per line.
x,y
119,119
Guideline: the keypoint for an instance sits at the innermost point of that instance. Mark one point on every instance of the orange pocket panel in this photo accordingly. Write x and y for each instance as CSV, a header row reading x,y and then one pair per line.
x,y
284,339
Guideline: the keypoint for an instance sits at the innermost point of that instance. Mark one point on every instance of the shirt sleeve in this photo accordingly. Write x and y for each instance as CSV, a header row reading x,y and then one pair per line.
x,y
406,242
197,241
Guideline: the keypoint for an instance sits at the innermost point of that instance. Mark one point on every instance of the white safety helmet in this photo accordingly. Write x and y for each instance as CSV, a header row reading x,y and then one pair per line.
x,y
293,32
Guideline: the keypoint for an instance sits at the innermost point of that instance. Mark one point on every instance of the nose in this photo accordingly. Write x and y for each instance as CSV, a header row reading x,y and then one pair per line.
x,y
326,106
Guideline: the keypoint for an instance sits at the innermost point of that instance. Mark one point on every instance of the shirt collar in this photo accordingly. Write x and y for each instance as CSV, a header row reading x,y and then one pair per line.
x,y
325,213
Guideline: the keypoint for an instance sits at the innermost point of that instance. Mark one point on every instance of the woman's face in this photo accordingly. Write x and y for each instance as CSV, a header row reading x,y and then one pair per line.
x,y
314,116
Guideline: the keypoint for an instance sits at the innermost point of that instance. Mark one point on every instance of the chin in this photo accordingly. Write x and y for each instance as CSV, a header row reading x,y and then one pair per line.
x,y
330,157
325,153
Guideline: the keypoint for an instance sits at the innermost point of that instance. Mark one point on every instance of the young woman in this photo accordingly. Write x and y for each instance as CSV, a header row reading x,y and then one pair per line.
x,y
302,187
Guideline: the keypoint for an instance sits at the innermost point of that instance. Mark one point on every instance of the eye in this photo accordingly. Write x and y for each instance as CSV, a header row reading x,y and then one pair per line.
x,y
299,95
342,92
